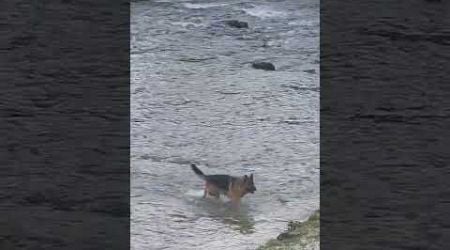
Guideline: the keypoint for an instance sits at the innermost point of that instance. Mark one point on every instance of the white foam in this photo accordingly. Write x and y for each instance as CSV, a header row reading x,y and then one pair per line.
x,y
195,193
188,24
264,12
203,5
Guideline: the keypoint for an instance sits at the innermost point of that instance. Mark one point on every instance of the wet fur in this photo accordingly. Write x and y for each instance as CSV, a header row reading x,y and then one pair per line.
x,y
233,187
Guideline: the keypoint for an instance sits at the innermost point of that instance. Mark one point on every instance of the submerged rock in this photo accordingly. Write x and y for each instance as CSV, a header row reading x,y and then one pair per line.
x,y
237,24
263,65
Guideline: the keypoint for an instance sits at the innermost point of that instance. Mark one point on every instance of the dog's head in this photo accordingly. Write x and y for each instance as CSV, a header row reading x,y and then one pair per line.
x,y
249,184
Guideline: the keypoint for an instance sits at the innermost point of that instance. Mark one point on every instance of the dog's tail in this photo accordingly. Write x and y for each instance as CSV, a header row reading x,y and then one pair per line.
x,y
197,171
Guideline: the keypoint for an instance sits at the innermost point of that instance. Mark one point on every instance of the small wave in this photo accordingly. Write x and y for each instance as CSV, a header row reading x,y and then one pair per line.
x,y
203,5
188,24
264,12
168,1
304,23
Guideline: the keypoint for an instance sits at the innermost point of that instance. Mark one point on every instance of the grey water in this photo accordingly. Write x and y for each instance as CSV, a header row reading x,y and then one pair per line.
x,y
196,99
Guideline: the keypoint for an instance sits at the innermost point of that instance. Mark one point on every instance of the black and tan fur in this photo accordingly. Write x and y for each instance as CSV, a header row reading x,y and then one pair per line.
x,y
233,187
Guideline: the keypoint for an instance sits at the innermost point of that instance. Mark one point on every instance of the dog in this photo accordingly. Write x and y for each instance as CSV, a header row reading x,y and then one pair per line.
x,y
233,187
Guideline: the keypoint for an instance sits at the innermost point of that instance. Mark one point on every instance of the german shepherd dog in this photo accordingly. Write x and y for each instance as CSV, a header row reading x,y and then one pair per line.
x,y
233,187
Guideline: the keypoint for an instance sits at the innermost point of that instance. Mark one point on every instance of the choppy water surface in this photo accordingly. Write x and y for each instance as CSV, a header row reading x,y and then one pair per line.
x,y
195,98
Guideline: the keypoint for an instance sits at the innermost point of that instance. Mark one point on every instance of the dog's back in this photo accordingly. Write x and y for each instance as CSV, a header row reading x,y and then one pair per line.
x,y
221,181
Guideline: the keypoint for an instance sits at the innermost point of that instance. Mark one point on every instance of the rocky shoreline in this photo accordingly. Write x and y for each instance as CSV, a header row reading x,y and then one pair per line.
x,y
300,235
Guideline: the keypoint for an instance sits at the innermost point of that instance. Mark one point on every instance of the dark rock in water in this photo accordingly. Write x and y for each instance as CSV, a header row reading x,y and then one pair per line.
x,y
237,24
311,71
263,65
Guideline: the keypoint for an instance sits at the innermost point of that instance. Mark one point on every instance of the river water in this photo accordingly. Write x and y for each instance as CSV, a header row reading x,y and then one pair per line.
x,y
196,98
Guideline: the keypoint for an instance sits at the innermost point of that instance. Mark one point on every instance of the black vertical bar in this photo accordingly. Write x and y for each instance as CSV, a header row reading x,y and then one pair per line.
x,y
64,107
385,119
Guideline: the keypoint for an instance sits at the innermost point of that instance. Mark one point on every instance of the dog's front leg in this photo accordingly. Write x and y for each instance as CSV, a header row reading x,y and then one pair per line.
x,y
236,204
235,201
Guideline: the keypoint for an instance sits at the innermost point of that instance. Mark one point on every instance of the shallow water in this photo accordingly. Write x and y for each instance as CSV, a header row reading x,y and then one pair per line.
x,y
195,98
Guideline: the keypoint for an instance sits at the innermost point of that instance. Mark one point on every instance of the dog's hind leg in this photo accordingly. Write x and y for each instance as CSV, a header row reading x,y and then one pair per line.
x,y
215,195
211,191
205,192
